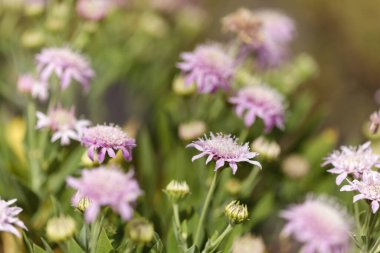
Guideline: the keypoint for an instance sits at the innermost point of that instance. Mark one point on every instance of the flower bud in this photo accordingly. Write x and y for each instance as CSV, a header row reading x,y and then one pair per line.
x,y
60,228
180,88
140,230
295,166
248,244
233,186
177,191
191,130
236,213
34,7
32,39
58,16
267,149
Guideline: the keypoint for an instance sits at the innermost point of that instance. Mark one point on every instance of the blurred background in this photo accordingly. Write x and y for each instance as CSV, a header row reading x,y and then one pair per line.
x,y
344,39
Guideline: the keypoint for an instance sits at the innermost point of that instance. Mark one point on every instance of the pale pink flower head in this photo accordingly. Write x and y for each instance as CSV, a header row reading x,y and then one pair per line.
x,y
63,123
66,64
224,149
102,139
106,186
374,122
36,88
352,161
94,10
368,187
209,67
260,101
277,31
8,217
319,224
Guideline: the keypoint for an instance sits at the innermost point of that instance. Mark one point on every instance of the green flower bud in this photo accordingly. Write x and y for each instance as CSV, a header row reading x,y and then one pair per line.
x,y
60,228
32,39
177,191
236,213
180,88
140,230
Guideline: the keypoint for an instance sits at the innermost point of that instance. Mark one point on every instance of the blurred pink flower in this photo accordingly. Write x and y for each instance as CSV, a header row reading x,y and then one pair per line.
x,y
66,64
260,101
374,122
8,217
223,149
63,123
106,186
36,88
368,187
320,224
352,161
104,139
94,10
209,67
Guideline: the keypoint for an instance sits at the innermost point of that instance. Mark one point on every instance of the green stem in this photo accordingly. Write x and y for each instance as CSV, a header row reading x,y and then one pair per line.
x,y
139,248
197,238
250,182
215,244
177,224
243,134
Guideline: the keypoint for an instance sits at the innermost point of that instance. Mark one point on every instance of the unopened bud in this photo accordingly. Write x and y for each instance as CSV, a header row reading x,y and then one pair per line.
x,y
140,231
180,88
177,191
32,39
236,212
58,16
60,228
295,166
191,130
267,149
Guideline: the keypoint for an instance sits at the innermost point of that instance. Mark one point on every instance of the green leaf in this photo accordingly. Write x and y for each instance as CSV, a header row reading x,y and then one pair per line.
x,y
104,244
28,243
158,246
74,247
193,249
47,246
38,249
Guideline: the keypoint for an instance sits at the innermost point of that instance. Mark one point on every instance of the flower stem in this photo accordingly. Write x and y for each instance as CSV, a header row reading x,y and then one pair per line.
x,y
177,224
197,238
214,244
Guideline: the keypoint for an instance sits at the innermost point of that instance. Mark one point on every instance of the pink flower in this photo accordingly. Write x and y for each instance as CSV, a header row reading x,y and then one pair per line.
x,y
29,85
94,10
352,161
374,122
223,149
209,67
260,101
104,139
106,186
63,123
66,64
368,188
320,224
8,217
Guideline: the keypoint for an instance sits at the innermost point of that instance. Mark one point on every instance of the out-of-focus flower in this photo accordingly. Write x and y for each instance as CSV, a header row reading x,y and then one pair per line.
x,y
295,166
233,186
140,230
267,149
177,191
107,186
93,10
63,123
223,149
209,67
180,88
352,161
29,85
248,244
320,224
66,64
236,213
8,217
368,188
260,101
34,7
191,130
244,23
153,25
58,16
59,229
102,139
266,32
32,38
374,122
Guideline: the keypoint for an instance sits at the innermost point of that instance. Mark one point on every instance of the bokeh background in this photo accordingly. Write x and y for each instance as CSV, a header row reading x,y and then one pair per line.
x,y
344,39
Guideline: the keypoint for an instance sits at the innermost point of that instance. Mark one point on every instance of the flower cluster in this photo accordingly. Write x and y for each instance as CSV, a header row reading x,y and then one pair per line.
x,y
63,123
209,67
223,149
102,139
106,186
320,224
352,161
260,101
